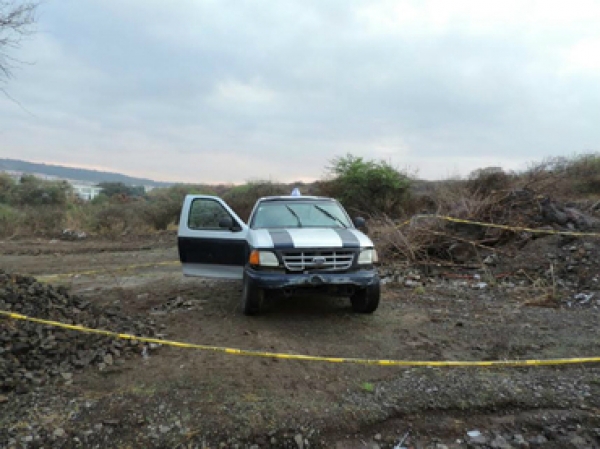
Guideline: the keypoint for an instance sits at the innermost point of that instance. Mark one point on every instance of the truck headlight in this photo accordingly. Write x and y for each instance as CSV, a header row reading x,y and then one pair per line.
x,y
368,257
263,259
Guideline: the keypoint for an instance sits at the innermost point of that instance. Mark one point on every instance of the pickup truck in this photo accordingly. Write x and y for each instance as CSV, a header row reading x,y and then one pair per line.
x,y
291,245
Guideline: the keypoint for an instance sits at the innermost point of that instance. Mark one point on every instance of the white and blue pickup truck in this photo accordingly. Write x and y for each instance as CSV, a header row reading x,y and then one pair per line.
x,y
290,245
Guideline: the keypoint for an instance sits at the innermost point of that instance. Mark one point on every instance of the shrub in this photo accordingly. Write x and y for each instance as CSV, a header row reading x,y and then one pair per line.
x,y
118,219
367,186
32,191
43,220
7,185
159,213
163,206
584,173
488,180
565,177
10,220
243,197
111,189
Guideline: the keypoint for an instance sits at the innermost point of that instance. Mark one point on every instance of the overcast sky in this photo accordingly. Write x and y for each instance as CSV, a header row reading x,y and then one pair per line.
x,y
233,90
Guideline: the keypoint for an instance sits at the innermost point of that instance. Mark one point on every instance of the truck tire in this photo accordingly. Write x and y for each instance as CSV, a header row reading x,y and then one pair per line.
x,y
366,300
251,297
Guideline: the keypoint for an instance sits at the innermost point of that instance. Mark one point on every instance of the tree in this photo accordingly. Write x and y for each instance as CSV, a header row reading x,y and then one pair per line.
x,y
111,189
32,191
371,187
16,21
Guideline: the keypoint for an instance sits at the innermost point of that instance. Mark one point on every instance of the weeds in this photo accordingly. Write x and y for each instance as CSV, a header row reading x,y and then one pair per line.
x,y
368,387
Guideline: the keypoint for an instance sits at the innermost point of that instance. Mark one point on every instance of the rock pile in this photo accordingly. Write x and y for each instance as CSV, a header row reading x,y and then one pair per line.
x,y
32,354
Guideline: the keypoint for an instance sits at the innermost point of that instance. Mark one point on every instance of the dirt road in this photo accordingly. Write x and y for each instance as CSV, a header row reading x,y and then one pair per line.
x,y
199,399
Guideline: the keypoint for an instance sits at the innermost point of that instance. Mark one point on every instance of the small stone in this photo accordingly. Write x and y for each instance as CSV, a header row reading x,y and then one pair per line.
x,y
500,443
578,442
477,441
538,441
411,283
108,359
59,432
67,376
299,439
441,446
3,399
491,260
520,441
377,437
164,429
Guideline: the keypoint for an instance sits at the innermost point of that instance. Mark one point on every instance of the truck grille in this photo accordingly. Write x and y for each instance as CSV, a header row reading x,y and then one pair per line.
x,y
317,260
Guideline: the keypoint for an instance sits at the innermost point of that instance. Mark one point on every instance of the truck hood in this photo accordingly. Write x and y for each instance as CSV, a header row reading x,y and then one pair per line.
x,y
308,238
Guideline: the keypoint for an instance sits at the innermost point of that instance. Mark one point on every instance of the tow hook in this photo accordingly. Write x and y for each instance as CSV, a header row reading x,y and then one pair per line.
x,y
317,280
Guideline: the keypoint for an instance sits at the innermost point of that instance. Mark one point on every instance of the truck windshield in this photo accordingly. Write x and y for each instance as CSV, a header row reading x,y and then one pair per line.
x,y
299,214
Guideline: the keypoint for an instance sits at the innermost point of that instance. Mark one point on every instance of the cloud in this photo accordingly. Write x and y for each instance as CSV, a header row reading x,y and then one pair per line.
x,y
233,90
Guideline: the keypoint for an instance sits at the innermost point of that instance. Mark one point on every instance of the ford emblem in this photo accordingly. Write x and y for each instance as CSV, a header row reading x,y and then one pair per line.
x,y
319,261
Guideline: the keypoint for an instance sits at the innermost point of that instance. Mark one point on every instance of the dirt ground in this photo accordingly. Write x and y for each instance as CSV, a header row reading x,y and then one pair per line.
x,y
176,397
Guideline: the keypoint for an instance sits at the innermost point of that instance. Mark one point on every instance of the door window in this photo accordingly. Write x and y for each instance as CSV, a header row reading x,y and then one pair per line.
x,y
206,213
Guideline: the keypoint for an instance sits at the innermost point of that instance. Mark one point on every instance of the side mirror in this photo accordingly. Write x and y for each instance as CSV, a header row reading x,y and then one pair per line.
x,y
226,223
229,223
360,222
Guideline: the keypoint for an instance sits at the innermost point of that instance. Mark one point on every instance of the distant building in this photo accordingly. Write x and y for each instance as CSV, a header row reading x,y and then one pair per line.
x,y
85,191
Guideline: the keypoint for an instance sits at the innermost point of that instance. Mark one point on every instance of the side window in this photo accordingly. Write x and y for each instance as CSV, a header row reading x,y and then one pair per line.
x,y
205,213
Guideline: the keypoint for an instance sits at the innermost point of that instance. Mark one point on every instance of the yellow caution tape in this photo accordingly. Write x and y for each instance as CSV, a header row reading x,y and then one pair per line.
x,y
105,271
506,227
308,358
44,278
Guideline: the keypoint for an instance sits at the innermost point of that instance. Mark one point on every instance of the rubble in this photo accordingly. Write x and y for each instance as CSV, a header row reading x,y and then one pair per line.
x,y
431,239
32,355
72,234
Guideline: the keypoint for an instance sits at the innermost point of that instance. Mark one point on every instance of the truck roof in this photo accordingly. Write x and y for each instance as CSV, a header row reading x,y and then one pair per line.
x,y
294,198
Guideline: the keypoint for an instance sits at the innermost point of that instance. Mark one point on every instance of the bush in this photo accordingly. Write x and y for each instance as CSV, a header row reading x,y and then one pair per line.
x,y
7,184
43,220
565,178
32,191
584,173
367,187
488,180
242,198
111,189
10,220
118,219
163,206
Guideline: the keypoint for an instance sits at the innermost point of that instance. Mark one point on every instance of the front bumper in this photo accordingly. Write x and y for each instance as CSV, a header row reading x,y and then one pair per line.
x,y
273,280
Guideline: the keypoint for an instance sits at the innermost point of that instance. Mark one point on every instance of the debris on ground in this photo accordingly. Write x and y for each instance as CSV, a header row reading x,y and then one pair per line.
x,y
32,355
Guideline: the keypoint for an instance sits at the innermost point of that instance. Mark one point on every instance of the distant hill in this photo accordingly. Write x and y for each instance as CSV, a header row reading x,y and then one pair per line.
x,y
78,174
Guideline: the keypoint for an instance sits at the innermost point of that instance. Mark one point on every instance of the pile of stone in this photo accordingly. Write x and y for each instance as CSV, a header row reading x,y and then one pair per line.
x,y
32,354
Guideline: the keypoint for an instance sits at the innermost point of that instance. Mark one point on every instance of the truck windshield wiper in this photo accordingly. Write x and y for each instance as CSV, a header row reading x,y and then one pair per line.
x,y
329,215
295,215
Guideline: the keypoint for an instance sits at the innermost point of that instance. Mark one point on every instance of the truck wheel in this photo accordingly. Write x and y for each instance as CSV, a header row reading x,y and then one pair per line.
x,y
251,297
366,300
